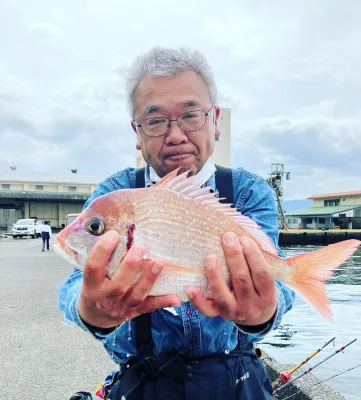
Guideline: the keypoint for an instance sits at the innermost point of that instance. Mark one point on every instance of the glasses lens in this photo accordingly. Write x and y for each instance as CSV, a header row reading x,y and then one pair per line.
x,y
192,120
155,126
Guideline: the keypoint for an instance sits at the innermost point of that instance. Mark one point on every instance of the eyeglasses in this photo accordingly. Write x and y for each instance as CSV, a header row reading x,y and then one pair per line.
x,y
188,121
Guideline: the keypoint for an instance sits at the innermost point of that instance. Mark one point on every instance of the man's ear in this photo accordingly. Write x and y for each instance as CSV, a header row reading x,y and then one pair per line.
x,y
217,113
138,147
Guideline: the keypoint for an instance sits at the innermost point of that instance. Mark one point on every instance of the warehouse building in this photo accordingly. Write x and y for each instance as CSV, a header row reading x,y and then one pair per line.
x,y
331,210
44,196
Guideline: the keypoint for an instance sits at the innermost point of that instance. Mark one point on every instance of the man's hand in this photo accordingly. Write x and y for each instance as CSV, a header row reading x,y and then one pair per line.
x,y
253,297
106,303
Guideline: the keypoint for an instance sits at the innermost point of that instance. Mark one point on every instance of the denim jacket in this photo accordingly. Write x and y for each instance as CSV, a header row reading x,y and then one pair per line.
x,y
184,326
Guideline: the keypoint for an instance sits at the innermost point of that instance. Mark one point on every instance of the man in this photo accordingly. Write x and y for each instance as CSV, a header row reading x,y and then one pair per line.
x,y
45,235
172,96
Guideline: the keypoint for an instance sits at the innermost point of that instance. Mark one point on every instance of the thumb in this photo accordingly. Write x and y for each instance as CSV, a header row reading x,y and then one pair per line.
x,y
96,266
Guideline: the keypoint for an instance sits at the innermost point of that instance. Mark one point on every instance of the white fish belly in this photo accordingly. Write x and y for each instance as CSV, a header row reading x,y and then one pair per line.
x,y
170,282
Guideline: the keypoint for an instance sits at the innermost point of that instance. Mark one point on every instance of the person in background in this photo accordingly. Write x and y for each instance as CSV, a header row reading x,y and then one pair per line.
x,y
45,235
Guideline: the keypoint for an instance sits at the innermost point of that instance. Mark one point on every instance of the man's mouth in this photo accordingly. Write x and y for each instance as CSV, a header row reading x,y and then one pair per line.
x,y
177,156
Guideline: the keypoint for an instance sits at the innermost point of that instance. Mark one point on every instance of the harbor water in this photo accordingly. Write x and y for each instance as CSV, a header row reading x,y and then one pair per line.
x,y
302,330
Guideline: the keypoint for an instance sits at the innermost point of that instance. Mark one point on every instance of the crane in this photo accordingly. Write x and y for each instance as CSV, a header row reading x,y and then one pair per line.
x,y
275,180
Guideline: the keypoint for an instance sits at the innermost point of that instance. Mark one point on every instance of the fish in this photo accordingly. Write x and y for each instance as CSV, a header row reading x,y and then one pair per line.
x,y
180,222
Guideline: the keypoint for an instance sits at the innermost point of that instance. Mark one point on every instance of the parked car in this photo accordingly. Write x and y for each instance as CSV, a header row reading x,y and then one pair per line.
x,y
70,218
27,227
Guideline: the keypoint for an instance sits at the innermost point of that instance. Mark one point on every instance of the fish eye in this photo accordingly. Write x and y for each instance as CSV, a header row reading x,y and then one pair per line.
x,y
95,226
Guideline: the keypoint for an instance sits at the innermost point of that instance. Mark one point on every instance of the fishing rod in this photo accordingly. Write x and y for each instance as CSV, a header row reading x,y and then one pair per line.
x,y
286,376
318,383
312,368
334,376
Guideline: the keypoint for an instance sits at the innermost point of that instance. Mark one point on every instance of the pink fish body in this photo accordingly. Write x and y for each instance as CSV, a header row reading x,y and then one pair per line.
x,y
181,223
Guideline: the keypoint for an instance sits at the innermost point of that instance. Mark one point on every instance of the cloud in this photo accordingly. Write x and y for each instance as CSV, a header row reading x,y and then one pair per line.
x,y
290,72
44,28
83,125
322,153
291,41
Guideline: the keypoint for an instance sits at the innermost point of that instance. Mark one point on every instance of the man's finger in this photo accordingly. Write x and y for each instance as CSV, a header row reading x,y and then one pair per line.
x,y
242,283
234,254
220,291
259,269
144,284
207,307
153,303
127,271
97,262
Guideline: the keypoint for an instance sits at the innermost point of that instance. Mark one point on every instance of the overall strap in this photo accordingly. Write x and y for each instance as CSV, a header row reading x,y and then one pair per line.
x,y
144,343
139,178
224,184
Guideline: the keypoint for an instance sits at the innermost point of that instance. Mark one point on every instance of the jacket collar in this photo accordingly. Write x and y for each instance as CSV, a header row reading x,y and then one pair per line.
x,y
203,175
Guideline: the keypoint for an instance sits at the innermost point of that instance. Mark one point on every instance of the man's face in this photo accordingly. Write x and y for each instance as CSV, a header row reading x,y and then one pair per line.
x,y
169,97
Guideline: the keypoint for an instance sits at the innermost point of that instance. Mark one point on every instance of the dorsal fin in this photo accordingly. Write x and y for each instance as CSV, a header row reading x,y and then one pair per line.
x,y
190,188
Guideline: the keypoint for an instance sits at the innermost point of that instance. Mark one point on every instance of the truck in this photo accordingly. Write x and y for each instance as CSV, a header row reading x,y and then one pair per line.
x,y
70,218
27,227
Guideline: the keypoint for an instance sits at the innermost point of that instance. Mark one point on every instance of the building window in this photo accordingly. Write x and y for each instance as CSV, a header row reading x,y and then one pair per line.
x,y
39,187
5,186
72,188
321,220
331,203
308,220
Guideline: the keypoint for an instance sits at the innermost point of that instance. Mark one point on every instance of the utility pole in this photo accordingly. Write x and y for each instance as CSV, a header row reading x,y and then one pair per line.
x,y
275,180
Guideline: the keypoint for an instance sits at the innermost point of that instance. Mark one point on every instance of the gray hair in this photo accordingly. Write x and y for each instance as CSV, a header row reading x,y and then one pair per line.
x,y
160,61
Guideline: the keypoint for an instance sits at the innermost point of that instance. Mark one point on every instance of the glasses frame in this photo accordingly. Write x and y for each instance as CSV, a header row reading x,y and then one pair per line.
x,y
206,114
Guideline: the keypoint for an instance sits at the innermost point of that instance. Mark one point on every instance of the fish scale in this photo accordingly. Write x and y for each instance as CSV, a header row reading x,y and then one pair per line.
x,y
161,229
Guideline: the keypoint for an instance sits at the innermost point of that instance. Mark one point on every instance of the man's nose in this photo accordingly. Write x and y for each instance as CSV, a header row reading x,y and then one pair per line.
x,y
175,134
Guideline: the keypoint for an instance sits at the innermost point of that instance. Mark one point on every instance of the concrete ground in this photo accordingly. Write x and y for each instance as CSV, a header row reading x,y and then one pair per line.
x,y
42,356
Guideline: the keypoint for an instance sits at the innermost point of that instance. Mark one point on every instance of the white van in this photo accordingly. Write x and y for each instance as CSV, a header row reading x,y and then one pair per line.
x,y
27,227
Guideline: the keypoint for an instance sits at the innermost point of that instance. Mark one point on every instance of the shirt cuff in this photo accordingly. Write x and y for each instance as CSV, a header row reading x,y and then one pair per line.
x,y
97,332
259,330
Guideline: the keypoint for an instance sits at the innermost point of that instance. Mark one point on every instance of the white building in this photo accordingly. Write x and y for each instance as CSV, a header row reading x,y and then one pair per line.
x,y
342,210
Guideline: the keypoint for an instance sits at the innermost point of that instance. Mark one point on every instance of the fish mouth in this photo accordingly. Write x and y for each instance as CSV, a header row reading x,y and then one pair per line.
x,y
60,238
67,254
65,251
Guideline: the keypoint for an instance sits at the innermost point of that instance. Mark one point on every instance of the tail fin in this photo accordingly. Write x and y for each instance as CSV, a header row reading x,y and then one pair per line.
x,y
312,269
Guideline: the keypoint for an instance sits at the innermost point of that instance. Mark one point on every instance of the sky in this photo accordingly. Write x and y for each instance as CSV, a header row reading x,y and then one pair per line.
x,y
289,71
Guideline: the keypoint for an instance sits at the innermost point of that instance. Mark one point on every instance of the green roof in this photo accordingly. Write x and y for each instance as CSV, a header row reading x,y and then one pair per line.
x,y
315,211
44,195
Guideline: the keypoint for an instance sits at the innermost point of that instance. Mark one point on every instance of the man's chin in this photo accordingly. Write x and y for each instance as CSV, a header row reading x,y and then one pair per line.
x,y
183,168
